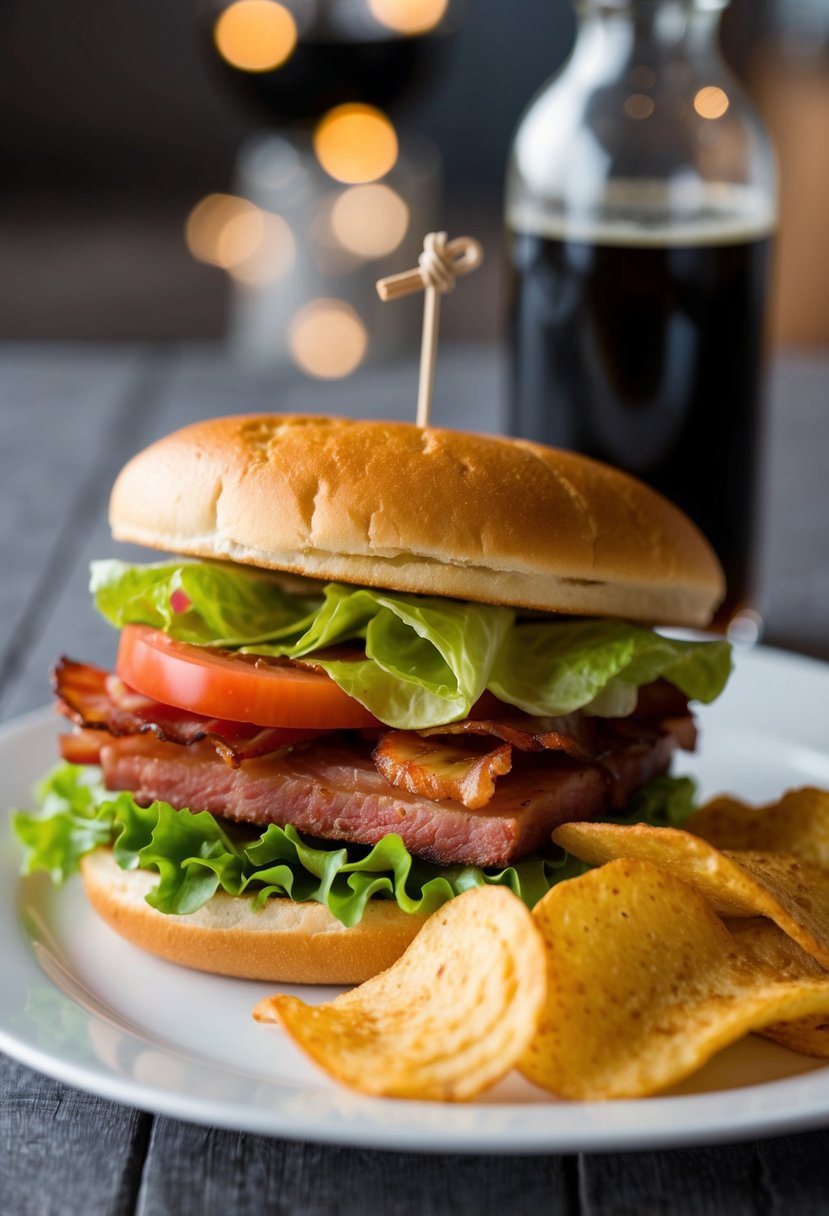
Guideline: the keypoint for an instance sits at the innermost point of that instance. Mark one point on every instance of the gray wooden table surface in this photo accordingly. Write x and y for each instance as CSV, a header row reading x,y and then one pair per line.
x,y
69,417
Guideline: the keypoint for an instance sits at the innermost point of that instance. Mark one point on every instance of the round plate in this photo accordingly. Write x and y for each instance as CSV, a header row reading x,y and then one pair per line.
x,y
80,1004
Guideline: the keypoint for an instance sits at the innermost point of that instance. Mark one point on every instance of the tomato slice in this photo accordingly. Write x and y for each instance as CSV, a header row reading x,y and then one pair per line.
x,y
241,688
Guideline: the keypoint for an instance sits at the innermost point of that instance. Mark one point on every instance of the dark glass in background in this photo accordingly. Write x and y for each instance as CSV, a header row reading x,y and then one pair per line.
x,y
640,209
322,74
342,55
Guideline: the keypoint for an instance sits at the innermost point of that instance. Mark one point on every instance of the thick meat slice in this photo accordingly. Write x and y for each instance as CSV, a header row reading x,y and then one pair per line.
x,y
332,790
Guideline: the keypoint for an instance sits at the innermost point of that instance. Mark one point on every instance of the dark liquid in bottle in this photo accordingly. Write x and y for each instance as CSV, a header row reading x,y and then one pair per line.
x,y
649,357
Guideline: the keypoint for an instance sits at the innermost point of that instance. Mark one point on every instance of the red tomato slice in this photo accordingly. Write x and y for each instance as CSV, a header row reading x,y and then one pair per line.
x,y
241,688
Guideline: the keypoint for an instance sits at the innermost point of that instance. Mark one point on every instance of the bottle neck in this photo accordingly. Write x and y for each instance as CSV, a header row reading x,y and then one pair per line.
x,y
614,35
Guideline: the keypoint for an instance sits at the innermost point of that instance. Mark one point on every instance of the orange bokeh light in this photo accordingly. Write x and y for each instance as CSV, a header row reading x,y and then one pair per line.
x,y
711,102
369,221
409,16
355,143
255,246
255,35
327,339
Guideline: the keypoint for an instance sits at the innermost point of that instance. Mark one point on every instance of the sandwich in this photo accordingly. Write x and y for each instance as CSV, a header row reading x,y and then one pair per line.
x,y
381,666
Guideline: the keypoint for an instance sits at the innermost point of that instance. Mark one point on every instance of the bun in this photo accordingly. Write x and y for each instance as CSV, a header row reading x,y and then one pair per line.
x,y
284,942
421,510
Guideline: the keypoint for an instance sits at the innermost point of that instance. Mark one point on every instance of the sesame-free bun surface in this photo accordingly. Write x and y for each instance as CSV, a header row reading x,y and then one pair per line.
x,y
284,942
421,510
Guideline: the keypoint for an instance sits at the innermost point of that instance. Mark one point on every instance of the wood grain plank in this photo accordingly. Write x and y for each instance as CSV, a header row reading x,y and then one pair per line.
x,y
54,612
793,1174
63,1152
55,409
788,1175
684,1182
193,1171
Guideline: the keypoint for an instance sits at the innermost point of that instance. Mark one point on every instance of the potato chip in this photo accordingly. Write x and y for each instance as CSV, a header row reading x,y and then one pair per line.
x,y
773,950
791,892
448,1019
645,984
798,823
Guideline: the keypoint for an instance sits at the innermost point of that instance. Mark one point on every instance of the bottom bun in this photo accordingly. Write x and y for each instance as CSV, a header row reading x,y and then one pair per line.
x,y
284,942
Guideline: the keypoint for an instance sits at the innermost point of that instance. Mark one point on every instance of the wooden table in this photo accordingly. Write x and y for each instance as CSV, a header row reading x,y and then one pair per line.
x,y
68,419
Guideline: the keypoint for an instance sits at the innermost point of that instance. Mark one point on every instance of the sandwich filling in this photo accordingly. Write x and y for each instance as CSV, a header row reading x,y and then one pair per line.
x,y
419,744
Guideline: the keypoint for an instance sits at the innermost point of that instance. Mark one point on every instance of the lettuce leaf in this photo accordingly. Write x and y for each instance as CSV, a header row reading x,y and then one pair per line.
x,y
427,659
195,856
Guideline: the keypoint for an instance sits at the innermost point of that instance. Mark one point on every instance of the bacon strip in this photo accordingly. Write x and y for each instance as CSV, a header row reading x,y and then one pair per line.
x,y
82,746
95,699
575,735
439,769
428,764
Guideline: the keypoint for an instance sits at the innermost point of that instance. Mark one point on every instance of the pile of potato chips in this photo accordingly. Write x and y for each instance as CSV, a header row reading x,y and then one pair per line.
x,y
620,983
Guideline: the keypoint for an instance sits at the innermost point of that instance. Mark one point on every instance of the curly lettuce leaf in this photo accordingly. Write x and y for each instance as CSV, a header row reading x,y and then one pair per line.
x,y
195,856
599,666
427,659
228,606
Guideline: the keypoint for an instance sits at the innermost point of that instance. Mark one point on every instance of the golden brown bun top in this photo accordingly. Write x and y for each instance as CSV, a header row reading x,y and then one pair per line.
x,y
441,512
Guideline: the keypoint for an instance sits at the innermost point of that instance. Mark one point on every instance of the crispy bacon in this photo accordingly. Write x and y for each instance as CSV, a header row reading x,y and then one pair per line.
x,y
96,700
575,734
82,746
439,769
424,763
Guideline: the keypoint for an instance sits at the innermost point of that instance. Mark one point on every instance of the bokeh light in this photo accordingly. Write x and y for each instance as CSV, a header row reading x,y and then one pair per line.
x,y
239,238
355,143
208,220
255,35
271,257
639,106
369,221
254,245
327,339
711,102
409,16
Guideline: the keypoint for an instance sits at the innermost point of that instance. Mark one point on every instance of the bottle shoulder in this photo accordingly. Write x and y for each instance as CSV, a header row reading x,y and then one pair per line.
x,y
679,125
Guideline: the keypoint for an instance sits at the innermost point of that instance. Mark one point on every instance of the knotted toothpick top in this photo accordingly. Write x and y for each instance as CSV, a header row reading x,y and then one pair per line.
x,y
438,266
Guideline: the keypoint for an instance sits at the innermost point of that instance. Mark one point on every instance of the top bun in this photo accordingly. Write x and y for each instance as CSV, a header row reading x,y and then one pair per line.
x,y
389,504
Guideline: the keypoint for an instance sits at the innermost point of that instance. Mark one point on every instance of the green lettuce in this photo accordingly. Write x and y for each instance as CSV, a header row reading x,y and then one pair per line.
x,y
195,856
427,659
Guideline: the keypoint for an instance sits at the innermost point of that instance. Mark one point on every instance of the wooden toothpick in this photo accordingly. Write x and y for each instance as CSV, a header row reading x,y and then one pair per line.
x,y
438,266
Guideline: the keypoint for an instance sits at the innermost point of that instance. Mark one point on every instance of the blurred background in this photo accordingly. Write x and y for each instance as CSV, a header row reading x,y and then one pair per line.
x,y
244,169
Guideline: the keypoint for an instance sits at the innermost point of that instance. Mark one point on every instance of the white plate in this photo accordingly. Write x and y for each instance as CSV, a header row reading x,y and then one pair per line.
x,y
78,1003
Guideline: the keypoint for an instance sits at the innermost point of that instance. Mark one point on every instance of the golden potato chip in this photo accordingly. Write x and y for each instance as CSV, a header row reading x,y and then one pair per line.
x,y
448,1019
645,984
792,893
798,823
770,948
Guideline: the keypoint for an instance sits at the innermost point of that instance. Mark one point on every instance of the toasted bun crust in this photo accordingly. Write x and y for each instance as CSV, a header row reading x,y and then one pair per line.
x,y
422,510
285,942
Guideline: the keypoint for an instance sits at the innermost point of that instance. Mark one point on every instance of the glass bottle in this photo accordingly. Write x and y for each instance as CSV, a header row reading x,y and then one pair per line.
x,y
641,201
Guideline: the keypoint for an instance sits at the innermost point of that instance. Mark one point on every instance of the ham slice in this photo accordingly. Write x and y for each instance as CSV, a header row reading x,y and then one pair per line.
x,y
332,789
